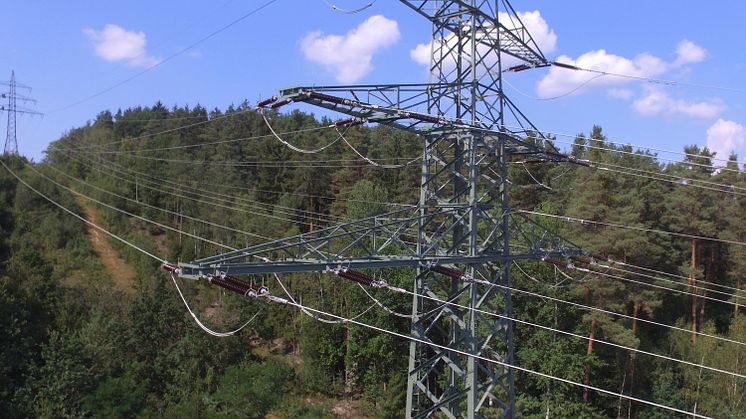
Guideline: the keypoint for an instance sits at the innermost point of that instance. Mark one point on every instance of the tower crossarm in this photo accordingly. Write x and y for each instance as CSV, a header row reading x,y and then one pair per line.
x,y
293,265
399,105
470,134
496,30
393,104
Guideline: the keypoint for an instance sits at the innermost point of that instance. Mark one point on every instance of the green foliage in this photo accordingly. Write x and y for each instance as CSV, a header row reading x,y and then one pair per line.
x,y
323,350
117,397
73,346
250,390
58,386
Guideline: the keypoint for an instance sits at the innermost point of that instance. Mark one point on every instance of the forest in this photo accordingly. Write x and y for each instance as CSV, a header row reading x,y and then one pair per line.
x,y
77,342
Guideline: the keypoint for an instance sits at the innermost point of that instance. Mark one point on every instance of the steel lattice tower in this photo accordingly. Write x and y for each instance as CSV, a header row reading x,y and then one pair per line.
x,y
11,142
462,225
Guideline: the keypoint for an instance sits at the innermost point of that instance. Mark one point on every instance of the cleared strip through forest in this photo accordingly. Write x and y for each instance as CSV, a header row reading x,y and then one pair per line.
x,y
121,273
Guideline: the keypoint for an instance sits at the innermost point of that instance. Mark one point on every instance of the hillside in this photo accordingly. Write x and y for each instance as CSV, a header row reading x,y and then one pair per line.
x,y
82,341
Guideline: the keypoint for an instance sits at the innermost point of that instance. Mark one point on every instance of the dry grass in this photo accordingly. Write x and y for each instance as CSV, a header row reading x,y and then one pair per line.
x,y
121,273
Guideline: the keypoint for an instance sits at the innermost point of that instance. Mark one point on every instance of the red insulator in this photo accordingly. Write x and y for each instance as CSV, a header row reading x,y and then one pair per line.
x,y
266,102
519,67
249,289
329,98
237,288
358,277
242,287
556,262
234,280
170,267
280,103
349,122
453,273
426,118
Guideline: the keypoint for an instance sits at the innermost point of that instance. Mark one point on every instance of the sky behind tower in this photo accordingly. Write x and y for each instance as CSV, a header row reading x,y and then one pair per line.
x,y
76,56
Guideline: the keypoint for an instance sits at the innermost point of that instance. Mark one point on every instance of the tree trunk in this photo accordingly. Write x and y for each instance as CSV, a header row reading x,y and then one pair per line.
x,y
587,378
310,217
693,290
738,291
349,374
709,279
633,359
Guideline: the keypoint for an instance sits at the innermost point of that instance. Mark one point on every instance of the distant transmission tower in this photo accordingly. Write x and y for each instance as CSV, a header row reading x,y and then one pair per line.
x,y
11,141
461,236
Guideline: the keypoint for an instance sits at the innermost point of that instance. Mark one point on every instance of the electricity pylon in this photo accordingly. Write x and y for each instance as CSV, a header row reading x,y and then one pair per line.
x,y
11,141
459,234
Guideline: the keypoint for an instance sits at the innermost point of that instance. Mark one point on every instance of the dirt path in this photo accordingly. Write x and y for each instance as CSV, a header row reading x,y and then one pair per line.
x,y
121,273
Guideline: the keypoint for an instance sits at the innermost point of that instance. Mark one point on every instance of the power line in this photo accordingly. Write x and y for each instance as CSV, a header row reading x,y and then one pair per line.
x,y
166,131
690,286
227,207
624,144
570,219
407,292
120,239
185,146
165,60
295,148
613,313
616,262
623,226
682,180
314,316
512,319
202,325
266,191
621,278
575,335
660,177
134,174
97,227
560,96
490,360
244,232
360,323
210,223
279,164
161,225
350,11
234,207
390,311
374,163
646,79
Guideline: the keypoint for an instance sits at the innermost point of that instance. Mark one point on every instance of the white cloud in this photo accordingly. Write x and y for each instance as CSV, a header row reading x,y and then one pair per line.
x,y
115,43
657,102
688,52
539,29
621,93
725,136
350,57
561,80
421,54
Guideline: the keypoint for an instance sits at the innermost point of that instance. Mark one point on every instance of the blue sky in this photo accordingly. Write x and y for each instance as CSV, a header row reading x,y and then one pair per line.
x,y
69,51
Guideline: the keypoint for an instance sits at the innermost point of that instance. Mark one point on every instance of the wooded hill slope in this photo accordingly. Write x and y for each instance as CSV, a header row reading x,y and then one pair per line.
x,y
73,345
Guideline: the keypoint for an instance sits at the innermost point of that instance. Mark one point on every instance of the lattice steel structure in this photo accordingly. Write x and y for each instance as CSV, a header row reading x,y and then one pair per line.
x,y
462,222
11,140
11,143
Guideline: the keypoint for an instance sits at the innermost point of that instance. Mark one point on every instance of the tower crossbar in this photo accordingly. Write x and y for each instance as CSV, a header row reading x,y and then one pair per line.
x,y
462,222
